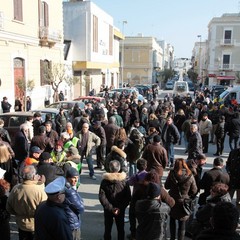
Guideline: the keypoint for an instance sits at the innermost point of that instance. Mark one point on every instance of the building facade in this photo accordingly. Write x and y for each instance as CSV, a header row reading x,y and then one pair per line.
x,y
93,46
31,35
143,58
182,65
168,54
223,62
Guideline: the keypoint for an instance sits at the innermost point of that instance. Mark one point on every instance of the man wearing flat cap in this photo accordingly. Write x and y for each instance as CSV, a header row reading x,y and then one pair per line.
x,y
51,220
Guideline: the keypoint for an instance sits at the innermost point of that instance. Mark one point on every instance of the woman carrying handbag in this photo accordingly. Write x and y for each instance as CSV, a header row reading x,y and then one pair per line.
x,y
182,187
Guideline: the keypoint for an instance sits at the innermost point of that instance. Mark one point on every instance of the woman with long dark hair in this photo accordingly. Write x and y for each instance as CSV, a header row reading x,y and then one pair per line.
x,y
182,186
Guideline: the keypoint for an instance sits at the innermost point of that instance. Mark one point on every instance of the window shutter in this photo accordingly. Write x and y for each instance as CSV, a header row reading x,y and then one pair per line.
x,y
17,6
46,17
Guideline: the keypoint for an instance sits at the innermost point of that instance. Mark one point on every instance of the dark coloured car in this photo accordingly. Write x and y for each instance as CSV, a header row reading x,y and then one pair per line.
x,y
13,120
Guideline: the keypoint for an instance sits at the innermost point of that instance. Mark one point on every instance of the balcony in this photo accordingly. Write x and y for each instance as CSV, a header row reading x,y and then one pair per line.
x,y
227,42
49,37
227,67
1,20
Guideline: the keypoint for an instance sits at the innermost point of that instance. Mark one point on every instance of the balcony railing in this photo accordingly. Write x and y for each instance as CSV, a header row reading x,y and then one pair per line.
x,y
227,42
48,35
1,20
224,67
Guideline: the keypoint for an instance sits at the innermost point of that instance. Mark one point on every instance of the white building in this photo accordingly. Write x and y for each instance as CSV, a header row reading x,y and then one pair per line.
x,y
93,44
182,65
168,54
31,34
224,49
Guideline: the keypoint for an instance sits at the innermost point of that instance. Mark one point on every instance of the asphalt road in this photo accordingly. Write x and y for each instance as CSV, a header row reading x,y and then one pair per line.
x,y
92,219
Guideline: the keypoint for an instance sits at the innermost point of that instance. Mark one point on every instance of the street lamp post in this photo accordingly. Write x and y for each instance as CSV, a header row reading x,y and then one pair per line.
x,y
122,55
200,49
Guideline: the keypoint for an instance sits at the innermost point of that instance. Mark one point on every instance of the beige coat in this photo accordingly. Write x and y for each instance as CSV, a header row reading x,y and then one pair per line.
x,y
23,201
205,127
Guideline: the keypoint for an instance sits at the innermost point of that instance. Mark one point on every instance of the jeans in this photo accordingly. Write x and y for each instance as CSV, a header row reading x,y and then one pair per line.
x,y
181,229
170,152
235,140
100,152
89,161
185,142
132,169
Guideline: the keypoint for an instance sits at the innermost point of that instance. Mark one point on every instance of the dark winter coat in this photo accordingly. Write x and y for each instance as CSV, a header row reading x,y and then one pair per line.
x,y
6,106
220,130
110,130
215,174
43,142
114,191
233,168
156,156
204,213
21,147
194,145
234,127
51,222
172,135
49,170
151,215
188,188
100,132
119,155
154,123
74,208
4,135
218,234
178,121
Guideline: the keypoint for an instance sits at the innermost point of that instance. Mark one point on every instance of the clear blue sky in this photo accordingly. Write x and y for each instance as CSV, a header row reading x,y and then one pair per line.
x,y
176,21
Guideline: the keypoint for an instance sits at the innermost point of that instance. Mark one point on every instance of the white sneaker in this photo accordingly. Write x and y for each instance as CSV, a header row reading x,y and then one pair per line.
x,y
93,177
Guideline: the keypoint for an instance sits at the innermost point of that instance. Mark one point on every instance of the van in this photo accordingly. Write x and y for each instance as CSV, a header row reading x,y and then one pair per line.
x,y
180,88
226,96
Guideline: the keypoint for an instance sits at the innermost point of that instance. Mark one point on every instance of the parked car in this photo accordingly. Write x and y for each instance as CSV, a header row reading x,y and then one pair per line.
x,y
66,105
12,122
169,85
86,99
44,111
217,89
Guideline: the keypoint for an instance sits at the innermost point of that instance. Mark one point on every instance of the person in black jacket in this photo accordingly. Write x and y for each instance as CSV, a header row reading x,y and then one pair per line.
x,y
170,137
117,153
114,195
215,174
151,214
5,105
224,223
47,168
233,128
51,220
220,135
101,149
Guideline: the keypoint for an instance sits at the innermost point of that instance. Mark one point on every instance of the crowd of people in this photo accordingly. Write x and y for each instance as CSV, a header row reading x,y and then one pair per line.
x,y
134,143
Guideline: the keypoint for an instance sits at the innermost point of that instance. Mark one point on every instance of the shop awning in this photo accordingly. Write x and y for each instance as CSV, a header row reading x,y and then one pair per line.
x,y
225,78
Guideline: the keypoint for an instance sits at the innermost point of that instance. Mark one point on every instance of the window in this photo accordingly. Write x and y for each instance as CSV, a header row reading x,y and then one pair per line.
x,y
95,34
43,14
110,40
45,72
227,36
226,61
17,6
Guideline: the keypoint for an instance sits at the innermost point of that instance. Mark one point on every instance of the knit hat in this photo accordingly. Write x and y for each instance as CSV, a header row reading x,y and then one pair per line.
x,y
72,172
153,190
44,156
